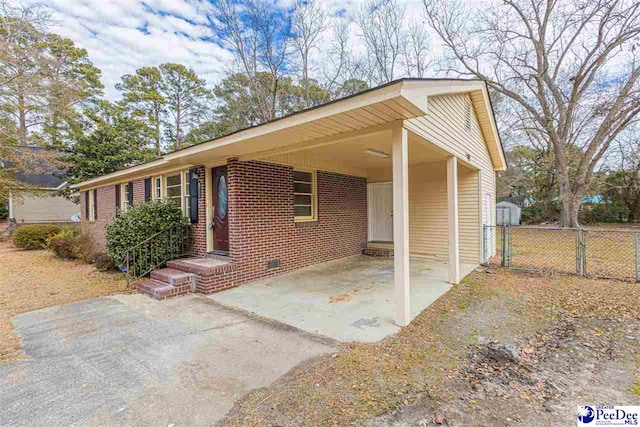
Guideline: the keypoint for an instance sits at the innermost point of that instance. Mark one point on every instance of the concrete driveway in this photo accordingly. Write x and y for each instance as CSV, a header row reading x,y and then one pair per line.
x,y
130,360
349,299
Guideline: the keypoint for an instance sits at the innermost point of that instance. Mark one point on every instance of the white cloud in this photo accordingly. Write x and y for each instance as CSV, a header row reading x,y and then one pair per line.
x,y
123,35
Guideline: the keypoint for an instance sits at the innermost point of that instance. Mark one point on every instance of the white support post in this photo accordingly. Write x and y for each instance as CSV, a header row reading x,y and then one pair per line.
x,y
11,214
401,279
452,205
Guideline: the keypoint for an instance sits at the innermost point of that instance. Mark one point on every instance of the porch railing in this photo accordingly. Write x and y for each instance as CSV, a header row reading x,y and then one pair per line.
x,y
171,243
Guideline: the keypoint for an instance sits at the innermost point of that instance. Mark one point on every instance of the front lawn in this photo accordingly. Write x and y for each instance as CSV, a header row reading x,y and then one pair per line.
x,y
30,280
577,342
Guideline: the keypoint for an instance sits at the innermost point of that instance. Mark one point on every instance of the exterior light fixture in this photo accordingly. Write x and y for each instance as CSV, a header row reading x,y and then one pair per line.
x,y
376,153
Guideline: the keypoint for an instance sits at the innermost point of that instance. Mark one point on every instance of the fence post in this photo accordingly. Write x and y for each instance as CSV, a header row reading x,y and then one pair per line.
x,y
578,252
583,251
635,247
504,245
509,230
484,243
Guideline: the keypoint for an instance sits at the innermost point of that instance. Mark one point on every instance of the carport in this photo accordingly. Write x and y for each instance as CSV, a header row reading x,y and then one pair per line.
x,y
346,299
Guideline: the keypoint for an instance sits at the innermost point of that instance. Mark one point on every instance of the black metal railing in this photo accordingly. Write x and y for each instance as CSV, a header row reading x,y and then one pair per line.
x,y
171,243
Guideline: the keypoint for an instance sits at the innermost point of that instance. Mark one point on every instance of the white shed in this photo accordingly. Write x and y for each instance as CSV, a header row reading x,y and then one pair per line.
x,y
507,213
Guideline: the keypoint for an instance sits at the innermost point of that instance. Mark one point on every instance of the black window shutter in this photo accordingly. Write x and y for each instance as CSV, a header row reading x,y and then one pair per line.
x,y
86,205
130,193
118,196
194,191
95,205
147,189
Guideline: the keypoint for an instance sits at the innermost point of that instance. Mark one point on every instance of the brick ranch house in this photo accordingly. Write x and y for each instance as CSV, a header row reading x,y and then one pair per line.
x,y
403,169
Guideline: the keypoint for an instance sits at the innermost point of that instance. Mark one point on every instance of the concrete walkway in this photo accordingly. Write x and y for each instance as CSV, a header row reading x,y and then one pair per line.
x,y
130,360
350,299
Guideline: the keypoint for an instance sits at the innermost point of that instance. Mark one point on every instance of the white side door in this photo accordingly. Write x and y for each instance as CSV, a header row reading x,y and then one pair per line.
x,y
381,212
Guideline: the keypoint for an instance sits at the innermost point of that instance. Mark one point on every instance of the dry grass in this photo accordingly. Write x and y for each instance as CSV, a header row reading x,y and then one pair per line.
x,y
370,379
30,280
610,251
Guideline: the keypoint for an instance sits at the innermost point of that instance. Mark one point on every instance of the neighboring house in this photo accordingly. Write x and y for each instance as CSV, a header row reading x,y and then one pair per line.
x,y
507,213
407,168
41,200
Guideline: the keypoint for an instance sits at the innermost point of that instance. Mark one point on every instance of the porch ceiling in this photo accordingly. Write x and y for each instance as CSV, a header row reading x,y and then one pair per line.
x,y
351,156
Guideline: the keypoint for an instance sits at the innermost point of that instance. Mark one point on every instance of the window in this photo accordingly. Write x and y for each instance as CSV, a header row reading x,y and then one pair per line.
x,y
173,189
92,205
157,188
125,196
304,194
186,203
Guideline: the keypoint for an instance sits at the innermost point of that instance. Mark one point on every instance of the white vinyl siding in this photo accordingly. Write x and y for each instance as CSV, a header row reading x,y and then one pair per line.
x,y
428,216
445,126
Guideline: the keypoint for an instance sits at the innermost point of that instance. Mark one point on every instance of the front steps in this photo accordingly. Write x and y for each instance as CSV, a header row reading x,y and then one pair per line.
x,y
378,249
167,283
183,276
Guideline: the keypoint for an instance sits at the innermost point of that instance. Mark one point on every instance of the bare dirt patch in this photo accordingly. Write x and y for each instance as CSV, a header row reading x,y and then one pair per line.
x,y
504,347
30,280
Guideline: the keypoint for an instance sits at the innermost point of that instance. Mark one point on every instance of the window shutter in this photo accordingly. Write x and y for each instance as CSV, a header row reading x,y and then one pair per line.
x,y
95,205
130,193
194,191
118,196
86,206
147,189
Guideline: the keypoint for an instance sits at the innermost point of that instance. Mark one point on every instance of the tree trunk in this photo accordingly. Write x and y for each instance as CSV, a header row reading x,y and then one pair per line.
x,y
569,208
158,148
631,218
22,132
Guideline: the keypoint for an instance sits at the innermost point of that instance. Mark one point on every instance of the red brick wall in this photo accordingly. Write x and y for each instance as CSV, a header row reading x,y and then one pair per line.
x,y
199,230
262,227
107,210
106,201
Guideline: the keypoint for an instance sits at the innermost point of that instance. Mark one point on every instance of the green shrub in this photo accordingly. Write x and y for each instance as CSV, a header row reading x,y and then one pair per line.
x,y
104,262
139,223
32,237
71,243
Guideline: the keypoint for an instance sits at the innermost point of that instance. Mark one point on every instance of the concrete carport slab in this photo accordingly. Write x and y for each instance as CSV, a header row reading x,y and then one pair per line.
x,y
349,299
131,360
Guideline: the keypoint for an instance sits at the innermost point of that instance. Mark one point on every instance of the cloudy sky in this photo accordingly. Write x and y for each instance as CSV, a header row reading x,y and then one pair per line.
x,y
123,35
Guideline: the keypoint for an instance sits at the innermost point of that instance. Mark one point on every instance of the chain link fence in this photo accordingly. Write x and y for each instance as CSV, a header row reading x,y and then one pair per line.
x,y
611,254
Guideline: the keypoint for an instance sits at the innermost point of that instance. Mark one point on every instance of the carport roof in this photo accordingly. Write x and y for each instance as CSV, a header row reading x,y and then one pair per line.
x,y
397,100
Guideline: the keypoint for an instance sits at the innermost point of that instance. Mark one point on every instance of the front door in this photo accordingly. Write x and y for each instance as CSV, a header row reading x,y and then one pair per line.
x,y
220,209
381,212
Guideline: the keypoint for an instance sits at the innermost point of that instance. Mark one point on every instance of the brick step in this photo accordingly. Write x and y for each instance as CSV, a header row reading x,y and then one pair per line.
x,y
172,276
202,267
374,249
162,290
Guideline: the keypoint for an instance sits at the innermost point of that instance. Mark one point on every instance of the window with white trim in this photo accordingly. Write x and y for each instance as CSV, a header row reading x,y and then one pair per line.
x,y
92,206
124,191
304,195
186,205
157,188
173,188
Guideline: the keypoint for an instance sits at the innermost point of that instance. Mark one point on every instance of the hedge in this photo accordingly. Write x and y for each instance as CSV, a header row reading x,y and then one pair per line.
x,y
36,236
